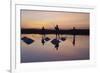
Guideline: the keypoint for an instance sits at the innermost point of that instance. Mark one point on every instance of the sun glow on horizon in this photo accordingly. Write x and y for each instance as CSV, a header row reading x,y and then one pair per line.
x,y
48,19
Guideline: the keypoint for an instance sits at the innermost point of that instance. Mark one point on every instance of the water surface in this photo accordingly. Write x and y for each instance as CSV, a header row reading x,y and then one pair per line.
x,y
67,50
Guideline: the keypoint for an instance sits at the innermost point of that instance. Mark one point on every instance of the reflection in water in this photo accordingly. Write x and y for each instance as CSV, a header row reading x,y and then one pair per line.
x,y
73,40
45,39
73,36
27,40
54,49
44,47
55,42
63,38
42,41
56,32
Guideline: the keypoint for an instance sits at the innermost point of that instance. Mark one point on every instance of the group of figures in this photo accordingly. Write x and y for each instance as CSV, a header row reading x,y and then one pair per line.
x,y
58,38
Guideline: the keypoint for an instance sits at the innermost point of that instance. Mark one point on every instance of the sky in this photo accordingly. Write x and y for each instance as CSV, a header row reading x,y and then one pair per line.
x,y
49,19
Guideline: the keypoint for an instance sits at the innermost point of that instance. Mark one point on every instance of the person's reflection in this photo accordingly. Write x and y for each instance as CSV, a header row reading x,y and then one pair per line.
x,y
43,41
73,40
55,42
43,36
57,46
73,36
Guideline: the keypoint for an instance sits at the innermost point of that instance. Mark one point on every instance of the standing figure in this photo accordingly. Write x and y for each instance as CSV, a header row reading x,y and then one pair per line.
x,y
43,31
57,31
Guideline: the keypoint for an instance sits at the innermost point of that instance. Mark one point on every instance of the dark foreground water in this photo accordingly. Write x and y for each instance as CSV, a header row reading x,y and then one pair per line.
x,y
42,51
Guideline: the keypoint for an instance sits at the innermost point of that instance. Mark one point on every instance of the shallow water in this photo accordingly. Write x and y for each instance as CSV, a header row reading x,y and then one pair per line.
x,y
37,52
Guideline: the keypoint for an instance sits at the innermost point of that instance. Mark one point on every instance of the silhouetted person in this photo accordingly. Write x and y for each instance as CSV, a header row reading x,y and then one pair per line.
x,y
74,29
43,31
57,31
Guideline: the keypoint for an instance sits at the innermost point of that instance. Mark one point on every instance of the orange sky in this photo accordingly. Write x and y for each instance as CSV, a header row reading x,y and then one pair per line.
x,y
48,19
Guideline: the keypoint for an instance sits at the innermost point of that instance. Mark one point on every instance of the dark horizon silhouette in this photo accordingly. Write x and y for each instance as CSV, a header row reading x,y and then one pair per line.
x,y
53,31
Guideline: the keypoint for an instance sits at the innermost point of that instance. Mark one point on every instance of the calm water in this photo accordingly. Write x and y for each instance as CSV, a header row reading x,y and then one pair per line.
x,y
37,52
